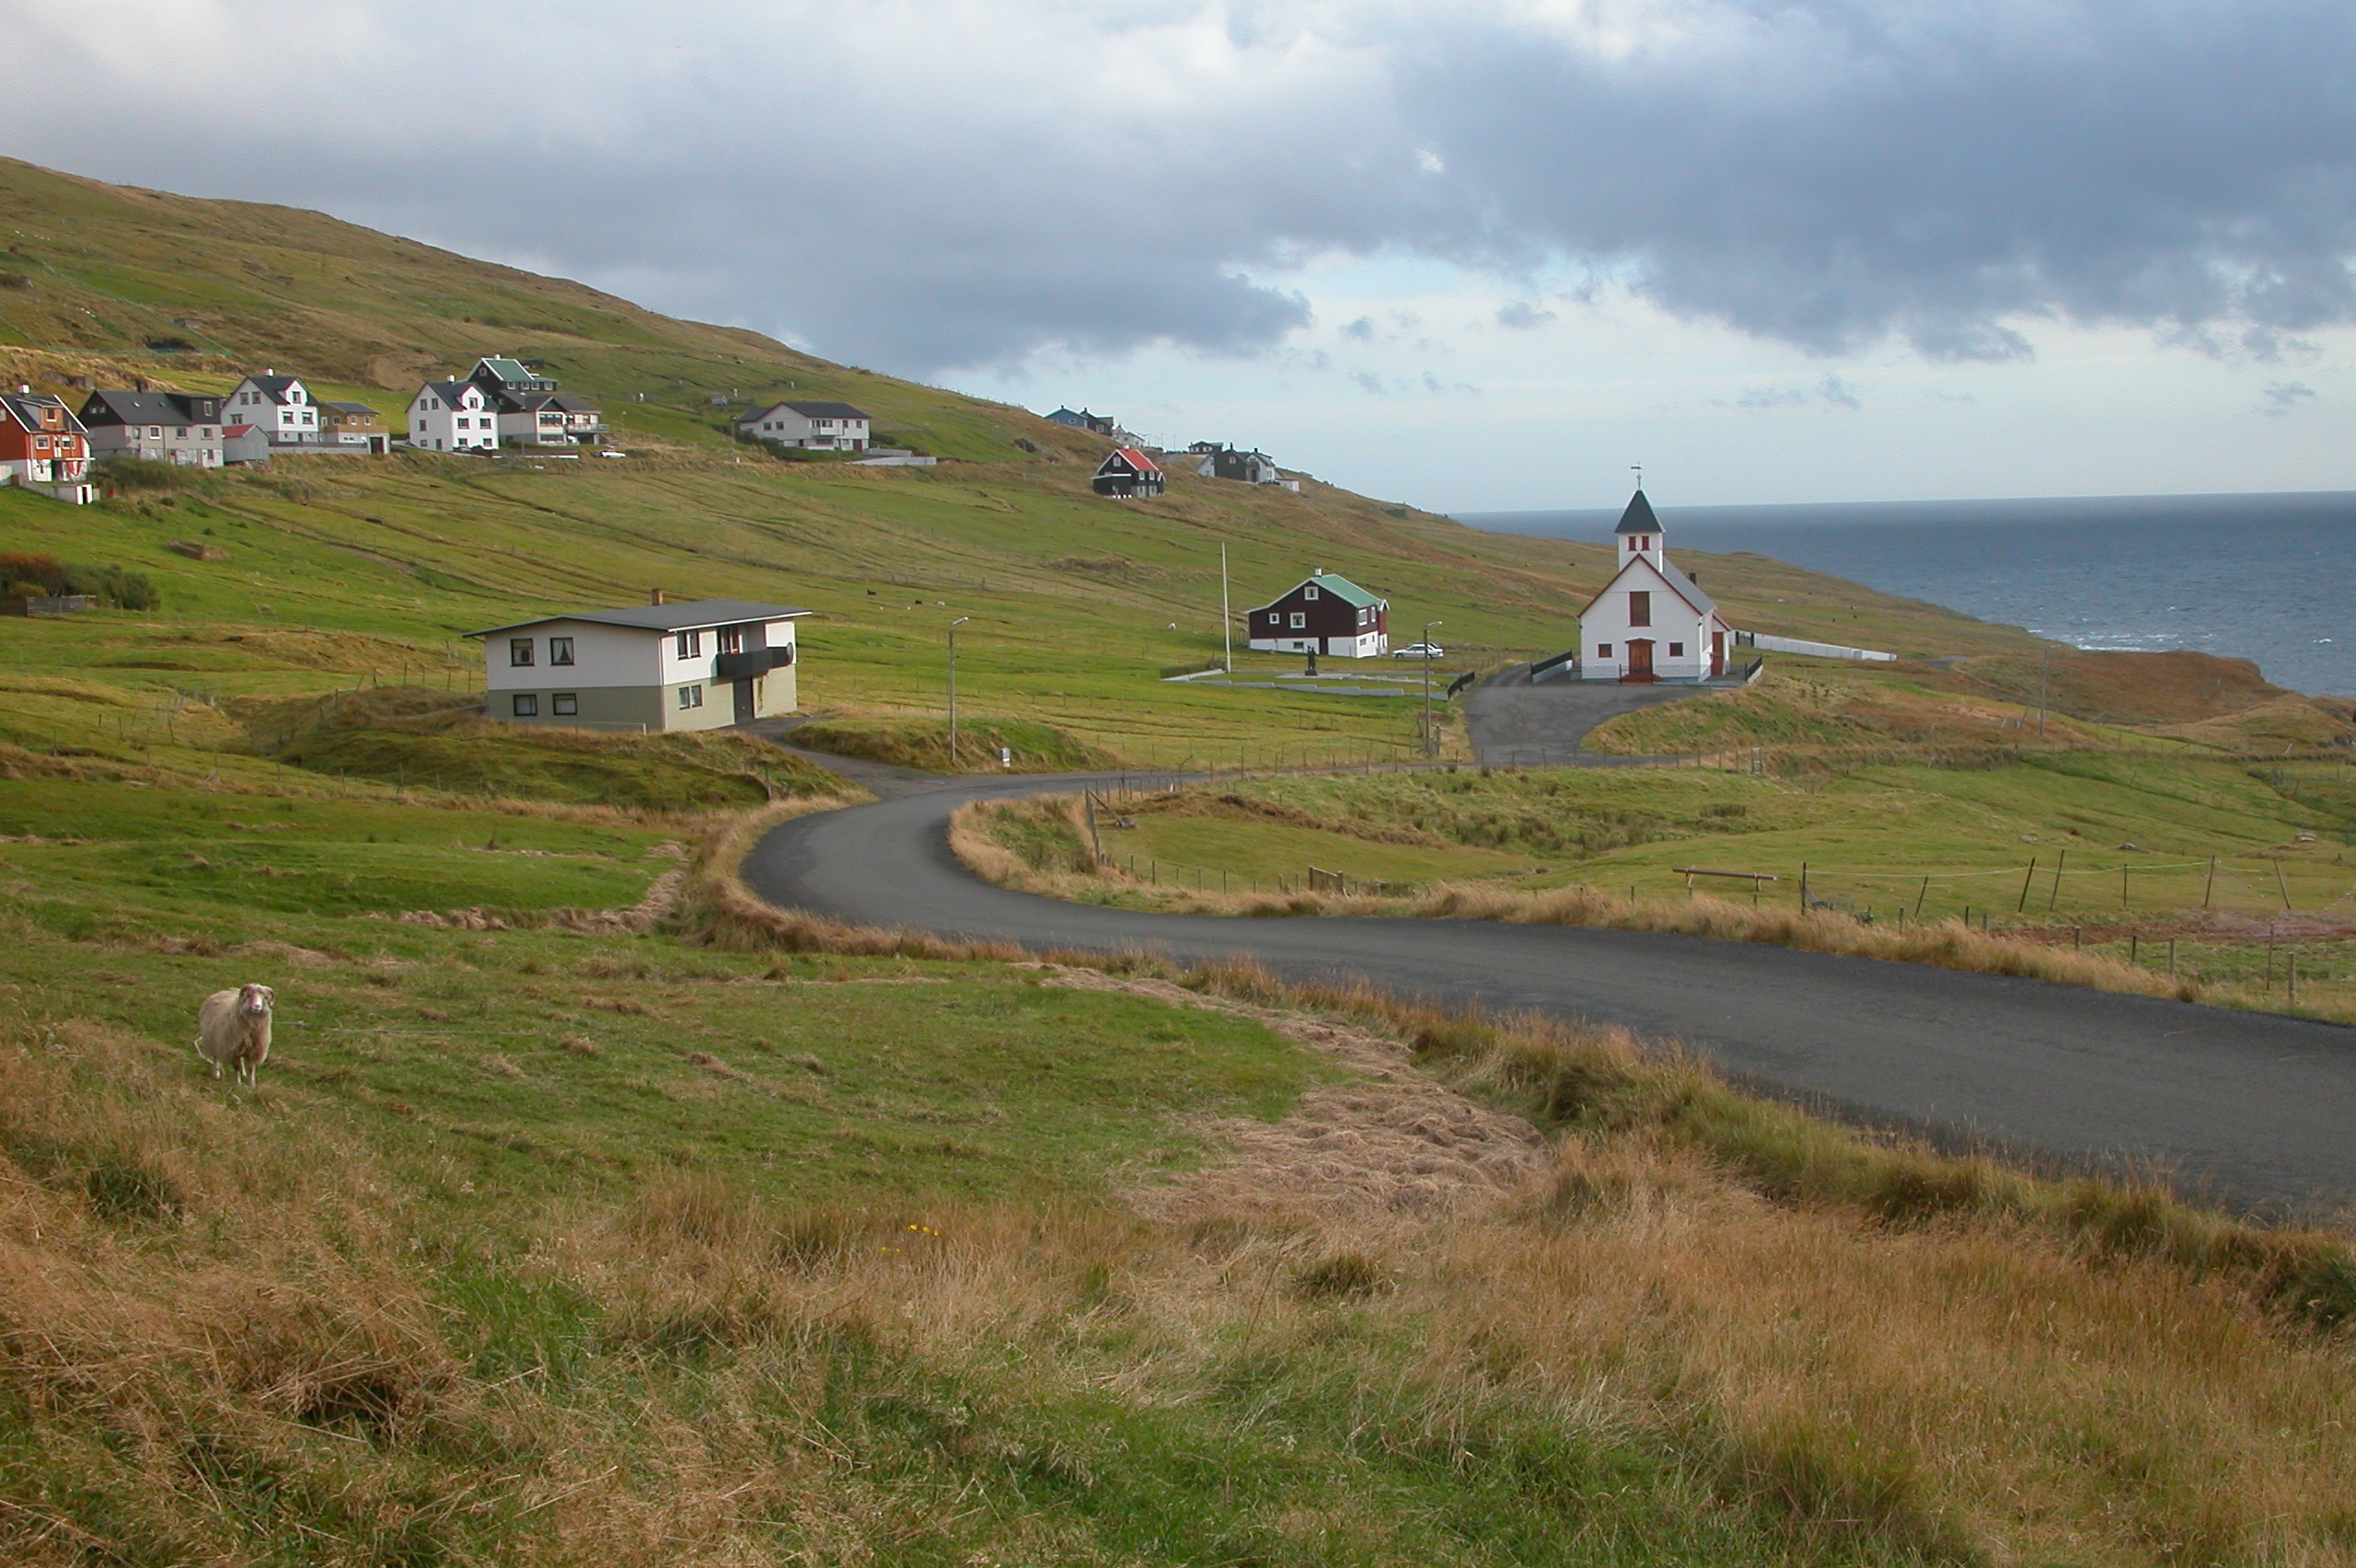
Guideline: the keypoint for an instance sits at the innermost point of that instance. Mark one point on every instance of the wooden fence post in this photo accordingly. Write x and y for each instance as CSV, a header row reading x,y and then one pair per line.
x,y
2026,877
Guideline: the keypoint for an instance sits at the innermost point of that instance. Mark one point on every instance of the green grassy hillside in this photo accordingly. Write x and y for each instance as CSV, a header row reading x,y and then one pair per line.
x,y
1078,604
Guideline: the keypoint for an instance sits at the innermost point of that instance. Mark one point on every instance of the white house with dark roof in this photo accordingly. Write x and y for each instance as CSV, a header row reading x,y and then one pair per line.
x,y
451,416
701,665
824,427
279,407
1652,622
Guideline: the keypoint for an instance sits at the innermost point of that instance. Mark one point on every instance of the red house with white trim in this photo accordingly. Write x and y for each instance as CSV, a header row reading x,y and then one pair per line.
x,y
43,447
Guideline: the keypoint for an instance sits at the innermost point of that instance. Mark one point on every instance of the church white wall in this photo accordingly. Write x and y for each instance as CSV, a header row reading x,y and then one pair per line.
x,y
1680,634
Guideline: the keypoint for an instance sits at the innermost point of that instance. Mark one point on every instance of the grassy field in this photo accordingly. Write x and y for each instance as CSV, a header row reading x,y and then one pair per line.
x,y
544,1241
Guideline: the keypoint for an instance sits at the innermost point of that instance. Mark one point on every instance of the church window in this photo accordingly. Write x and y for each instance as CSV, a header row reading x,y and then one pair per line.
x,y
1677,651
1640,609
1603,650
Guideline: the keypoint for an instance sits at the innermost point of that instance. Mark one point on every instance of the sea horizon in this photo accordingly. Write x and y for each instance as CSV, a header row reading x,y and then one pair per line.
x,y
2268,576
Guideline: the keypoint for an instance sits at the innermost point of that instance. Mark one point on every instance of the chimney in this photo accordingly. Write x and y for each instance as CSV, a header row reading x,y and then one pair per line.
x,y
139,383
658,597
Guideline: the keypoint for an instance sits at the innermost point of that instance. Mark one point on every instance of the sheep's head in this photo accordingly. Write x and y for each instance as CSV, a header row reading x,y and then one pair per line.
x,y
255,1000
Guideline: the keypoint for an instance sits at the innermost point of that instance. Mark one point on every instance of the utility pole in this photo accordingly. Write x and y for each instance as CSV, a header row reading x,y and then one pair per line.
x,y
2041,663
1226,616
1431,736
961,620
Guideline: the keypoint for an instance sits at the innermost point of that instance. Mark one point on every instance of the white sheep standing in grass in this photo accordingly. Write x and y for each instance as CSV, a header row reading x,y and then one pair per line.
x,y
233,1028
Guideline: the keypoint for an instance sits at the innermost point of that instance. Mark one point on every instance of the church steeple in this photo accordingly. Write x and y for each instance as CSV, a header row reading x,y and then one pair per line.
x,y
1639,532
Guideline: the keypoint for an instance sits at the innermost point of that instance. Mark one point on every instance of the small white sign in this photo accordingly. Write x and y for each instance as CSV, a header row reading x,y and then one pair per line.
x,y
1006,757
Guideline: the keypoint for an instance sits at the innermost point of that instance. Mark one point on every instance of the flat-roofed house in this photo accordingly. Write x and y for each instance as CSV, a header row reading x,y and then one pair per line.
x,y
823,427
279,407
354,427
180,428
1324,613
548,418
451,416
700,665
43,447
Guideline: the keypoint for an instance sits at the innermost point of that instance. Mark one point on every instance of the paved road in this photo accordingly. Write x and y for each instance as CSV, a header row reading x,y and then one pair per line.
x,y
2259,1111
1512,723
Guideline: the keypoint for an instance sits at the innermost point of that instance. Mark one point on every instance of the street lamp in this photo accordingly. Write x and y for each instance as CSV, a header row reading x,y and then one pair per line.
x,y
1431,739
961,620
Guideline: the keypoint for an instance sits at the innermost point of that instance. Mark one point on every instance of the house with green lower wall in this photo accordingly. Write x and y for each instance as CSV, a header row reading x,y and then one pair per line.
x,y
700,665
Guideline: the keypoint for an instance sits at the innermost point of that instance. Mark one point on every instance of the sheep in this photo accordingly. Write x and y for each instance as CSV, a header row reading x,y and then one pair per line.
x,y
233,1028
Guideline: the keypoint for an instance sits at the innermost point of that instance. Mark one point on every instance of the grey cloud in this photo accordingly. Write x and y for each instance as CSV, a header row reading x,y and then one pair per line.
x,y
1520,315
2282,396
1831,392
926,184
1370,381
1830,171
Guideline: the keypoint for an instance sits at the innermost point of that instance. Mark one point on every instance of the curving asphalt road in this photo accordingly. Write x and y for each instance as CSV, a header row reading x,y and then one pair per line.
x,y
2256,1110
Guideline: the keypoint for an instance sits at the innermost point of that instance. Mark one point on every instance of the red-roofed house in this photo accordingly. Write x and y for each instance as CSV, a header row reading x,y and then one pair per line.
x,y
43,447
1127,473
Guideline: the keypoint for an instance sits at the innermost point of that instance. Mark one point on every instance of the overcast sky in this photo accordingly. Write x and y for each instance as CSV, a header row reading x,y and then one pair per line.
x,y
1472,254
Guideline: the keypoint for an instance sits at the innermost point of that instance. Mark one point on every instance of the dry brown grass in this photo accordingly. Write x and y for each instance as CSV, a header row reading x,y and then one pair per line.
x,y
1881,1353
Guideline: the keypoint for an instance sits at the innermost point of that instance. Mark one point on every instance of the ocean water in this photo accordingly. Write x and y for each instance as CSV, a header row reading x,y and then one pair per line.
x,y
2266,577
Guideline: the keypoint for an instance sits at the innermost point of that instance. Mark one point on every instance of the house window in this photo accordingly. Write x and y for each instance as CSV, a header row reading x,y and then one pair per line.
x,y
1309,593
1299,620
1677,651
732,640
565,704
690,645
1640,609
559,650
519,652
527,705
691,697
1603,650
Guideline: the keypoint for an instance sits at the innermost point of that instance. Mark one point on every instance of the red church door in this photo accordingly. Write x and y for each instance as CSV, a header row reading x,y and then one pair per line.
x,y
1640,661
1717,654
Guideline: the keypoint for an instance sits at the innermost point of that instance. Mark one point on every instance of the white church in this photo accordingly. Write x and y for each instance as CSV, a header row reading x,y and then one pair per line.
x,y
1652,622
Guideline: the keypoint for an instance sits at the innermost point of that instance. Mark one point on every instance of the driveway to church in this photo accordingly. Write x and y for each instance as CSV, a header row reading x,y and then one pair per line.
x,y
2252,1109
1513,723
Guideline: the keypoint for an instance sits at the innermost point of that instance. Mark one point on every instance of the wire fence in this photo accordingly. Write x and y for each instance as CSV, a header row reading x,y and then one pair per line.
x,y
2259,886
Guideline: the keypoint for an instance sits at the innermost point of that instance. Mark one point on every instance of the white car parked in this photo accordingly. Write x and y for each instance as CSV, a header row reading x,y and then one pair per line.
x,y
1420,651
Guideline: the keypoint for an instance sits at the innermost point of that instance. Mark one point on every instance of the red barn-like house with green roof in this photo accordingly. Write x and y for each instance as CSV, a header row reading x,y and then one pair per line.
x,y
1325,613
